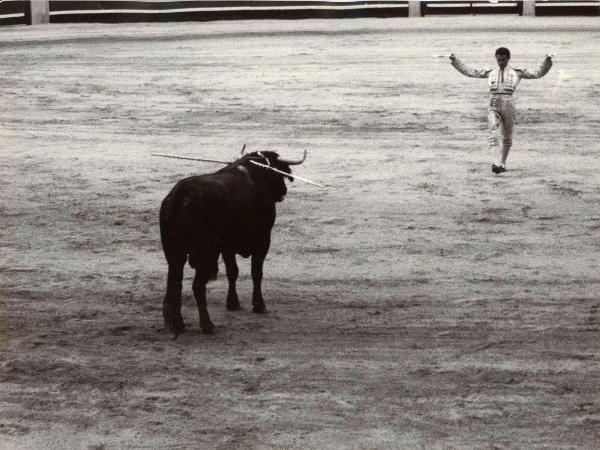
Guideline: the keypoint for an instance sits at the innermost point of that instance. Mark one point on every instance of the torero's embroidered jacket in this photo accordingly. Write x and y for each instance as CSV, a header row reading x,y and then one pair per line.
x,y
503,81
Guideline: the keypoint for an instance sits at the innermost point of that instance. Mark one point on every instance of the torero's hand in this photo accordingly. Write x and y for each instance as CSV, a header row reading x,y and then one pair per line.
x,y
549,57
452,57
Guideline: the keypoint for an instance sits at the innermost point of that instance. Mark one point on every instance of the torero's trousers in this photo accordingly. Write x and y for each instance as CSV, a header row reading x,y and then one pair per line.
x,y
501,115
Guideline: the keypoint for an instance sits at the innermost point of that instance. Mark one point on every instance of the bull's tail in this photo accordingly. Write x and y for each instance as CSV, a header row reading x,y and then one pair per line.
x,y
190,226
203,229
172,301
200,230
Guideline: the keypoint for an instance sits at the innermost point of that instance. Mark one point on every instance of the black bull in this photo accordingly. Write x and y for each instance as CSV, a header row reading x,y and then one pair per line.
x,y
229,212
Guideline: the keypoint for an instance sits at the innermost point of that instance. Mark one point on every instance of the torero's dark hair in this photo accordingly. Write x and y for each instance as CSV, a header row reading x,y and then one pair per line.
x,y
503,51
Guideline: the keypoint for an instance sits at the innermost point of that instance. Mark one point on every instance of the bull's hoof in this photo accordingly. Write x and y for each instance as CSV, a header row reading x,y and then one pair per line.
x,y
176,326
232,306
259,309
177,332
208,329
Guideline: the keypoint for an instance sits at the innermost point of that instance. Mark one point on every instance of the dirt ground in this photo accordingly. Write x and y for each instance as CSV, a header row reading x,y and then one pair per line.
x,y
418,301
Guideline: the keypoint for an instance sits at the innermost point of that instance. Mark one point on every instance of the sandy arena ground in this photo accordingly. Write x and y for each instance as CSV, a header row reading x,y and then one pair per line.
x,y
416,302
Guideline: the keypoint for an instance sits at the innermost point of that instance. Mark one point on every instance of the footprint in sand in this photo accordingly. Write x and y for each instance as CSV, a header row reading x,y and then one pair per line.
x,y
593,320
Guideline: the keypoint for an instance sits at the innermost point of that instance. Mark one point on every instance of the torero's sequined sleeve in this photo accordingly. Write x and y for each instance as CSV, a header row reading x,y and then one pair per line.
x,y
469,71
539,73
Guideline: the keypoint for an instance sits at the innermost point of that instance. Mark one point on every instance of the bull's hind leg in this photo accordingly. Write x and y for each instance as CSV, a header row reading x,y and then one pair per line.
x,y
199,287
258,304
231,267
172,301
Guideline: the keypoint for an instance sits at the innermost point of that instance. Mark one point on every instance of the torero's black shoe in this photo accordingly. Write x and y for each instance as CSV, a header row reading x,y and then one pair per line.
x,y
498,168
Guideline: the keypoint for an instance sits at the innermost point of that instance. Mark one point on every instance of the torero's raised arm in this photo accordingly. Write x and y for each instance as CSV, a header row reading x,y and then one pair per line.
x,y
539,72
466,70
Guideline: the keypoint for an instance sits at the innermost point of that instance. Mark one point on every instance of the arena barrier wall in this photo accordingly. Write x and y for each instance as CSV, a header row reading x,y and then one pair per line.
x,y
13,12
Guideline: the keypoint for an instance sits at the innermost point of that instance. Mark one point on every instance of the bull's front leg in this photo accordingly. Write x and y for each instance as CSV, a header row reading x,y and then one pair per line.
x,y
258,304
231,267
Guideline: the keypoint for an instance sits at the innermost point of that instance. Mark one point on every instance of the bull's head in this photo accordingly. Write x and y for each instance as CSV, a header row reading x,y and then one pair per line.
x,y
275,170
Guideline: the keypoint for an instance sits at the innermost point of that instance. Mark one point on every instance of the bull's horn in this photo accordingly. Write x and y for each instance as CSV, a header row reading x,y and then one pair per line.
x,y
292,162
242,152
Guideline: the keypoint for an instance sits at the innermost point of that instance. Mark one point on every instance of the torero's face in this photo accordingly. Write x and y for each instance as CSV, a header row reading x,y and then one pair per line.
x,y
502,60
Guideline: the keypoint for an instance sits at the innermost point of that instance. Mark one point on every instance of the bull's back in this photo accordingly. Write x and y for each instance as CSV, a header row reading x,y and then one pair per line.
x,y
210,213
